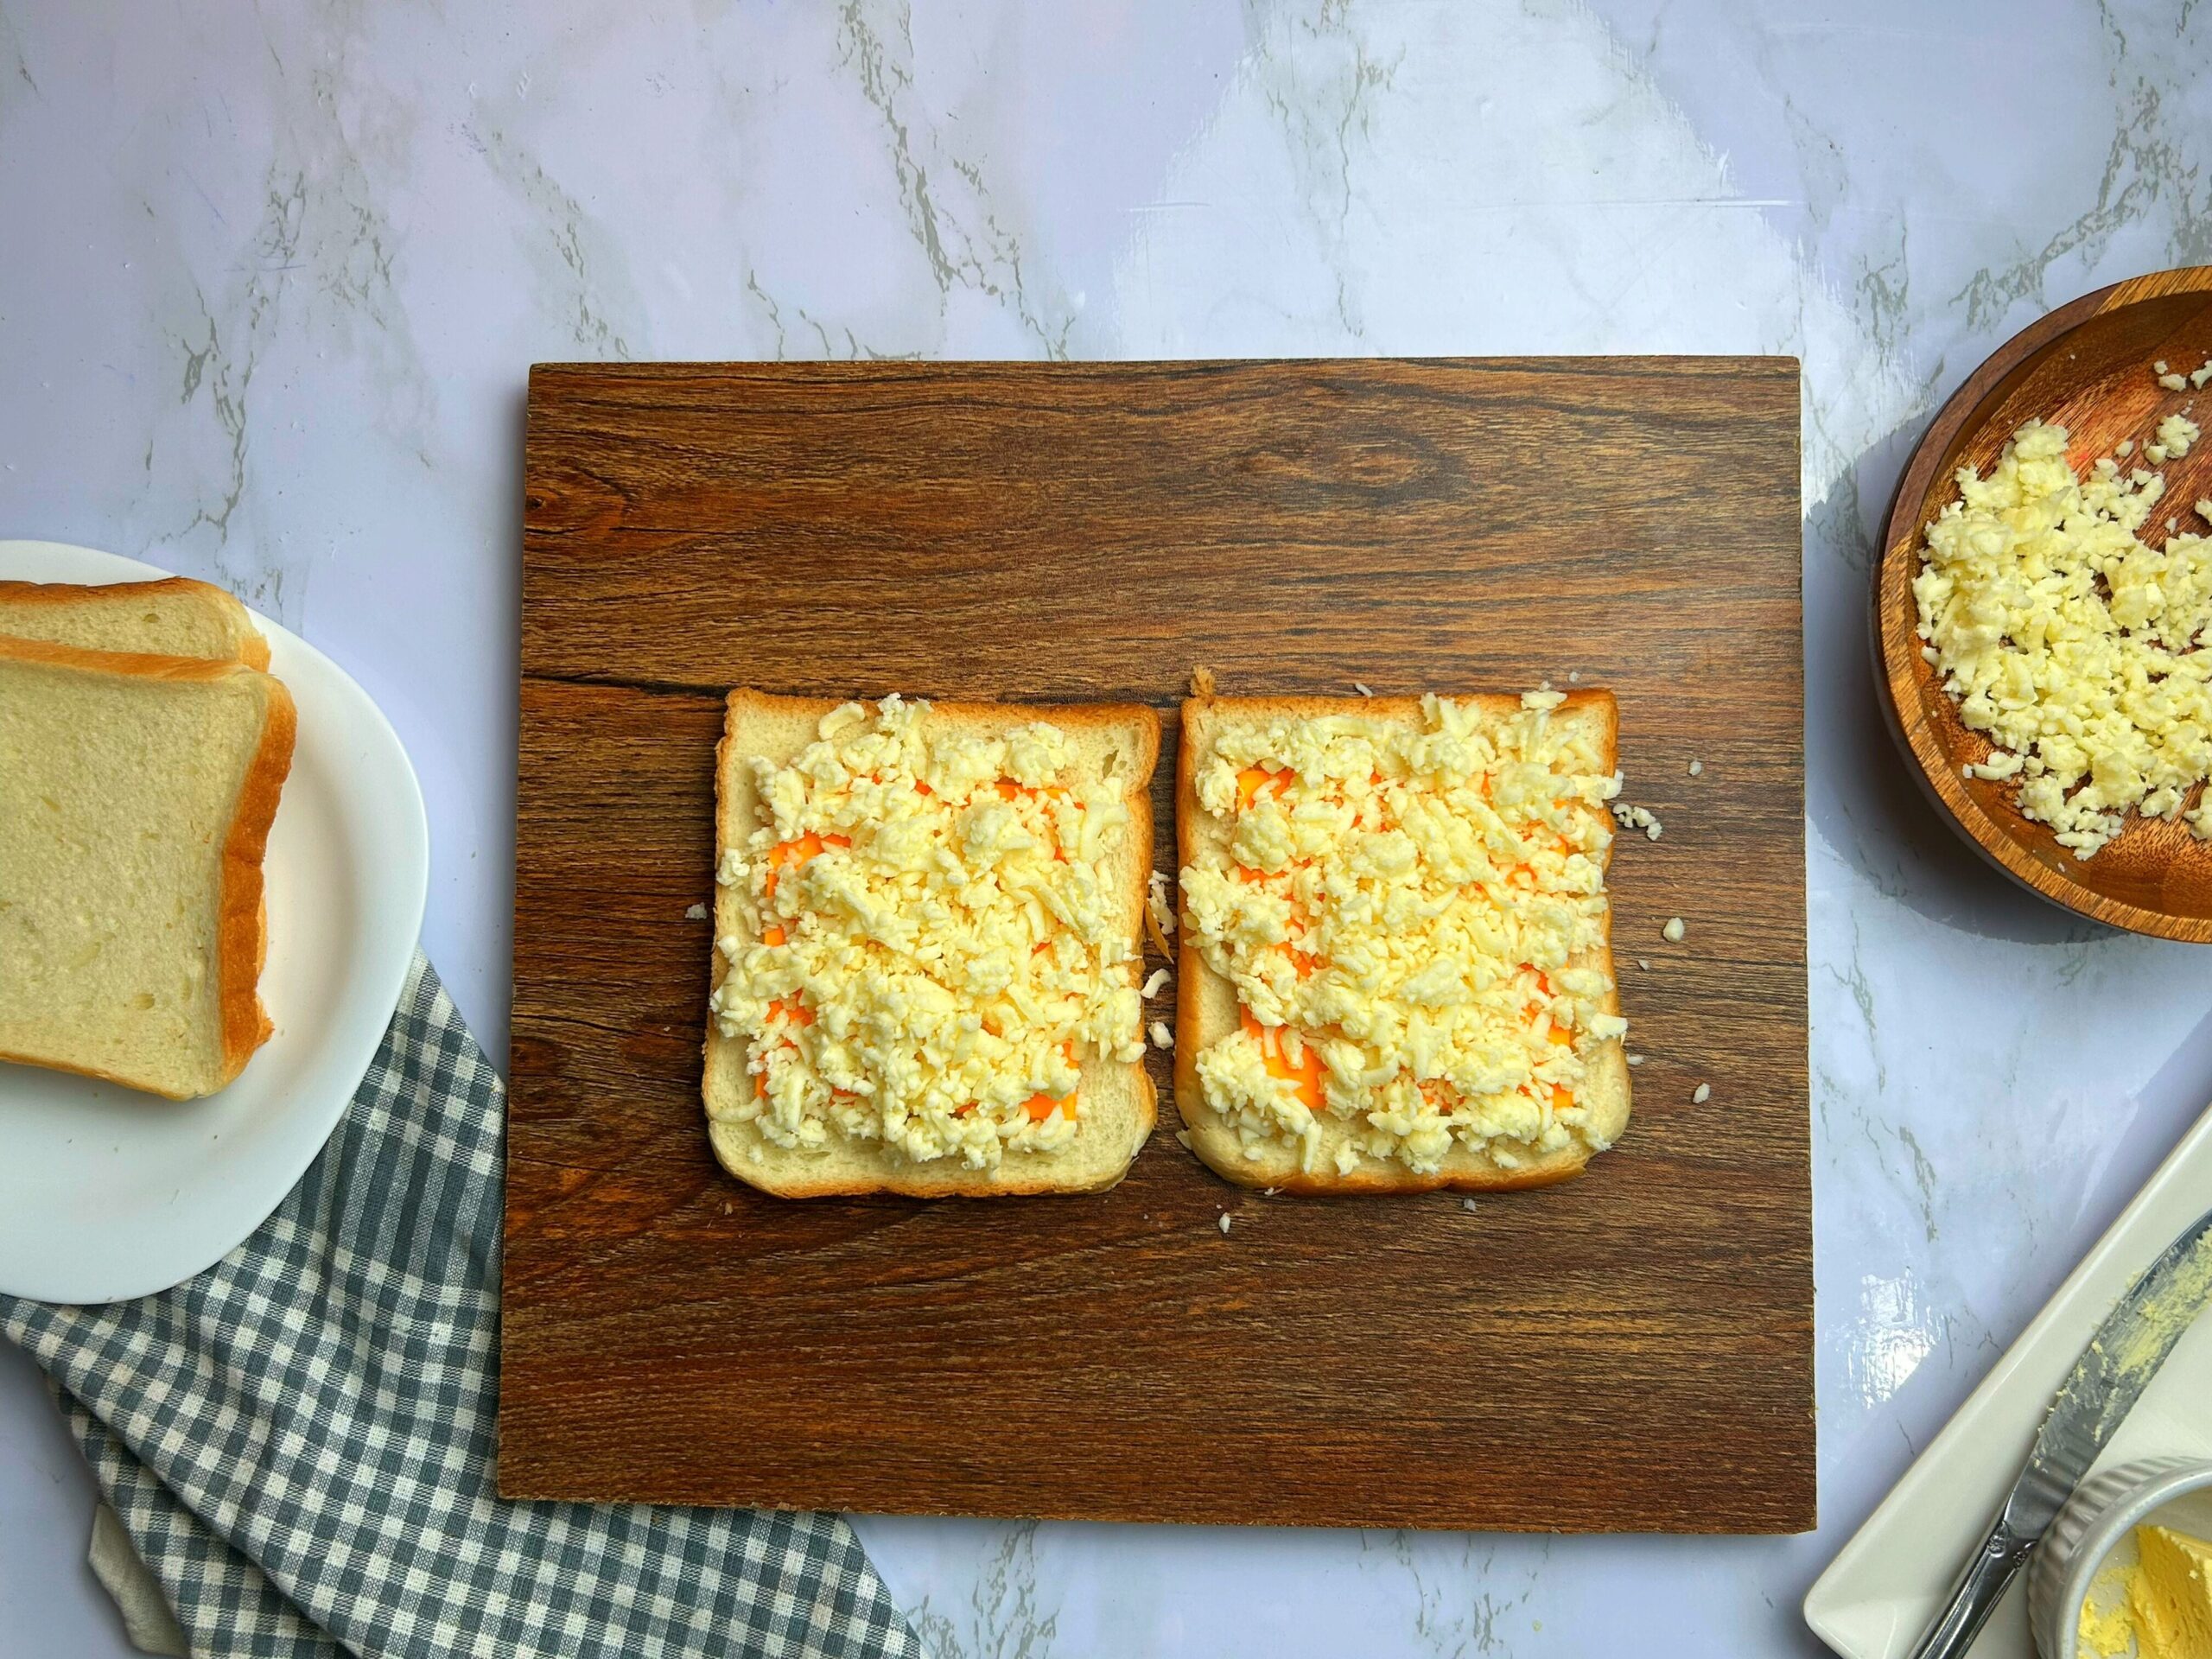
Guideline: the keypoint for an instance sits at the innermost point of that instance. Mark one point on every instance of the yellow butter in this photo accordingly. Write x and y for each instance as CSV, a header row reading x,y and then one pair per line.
x,y
2105,1630
2158,1606
2171,1595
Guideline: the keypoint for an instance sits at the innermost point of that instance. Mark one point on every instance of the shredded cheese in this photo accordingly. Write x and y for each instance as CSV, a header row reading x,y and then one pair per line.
x,y
1411,917
1631,817
932,947
2070,642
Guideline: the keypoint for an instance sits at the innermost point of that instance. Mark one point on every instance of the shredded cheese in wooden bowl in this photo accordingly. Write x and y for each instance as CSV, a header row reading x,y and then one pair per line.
x,y
2069,641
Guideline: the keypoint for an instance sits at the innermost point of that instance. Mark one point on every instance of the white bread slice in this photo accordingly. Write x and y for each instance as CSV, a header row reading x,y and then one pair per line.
x,y
1118,1106
173,617
136,796
1206,1008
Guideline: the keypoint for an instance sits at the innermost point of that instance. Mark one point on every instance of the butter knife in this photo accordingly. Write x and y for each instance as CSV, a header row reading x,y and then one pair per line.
x,y
2106,1382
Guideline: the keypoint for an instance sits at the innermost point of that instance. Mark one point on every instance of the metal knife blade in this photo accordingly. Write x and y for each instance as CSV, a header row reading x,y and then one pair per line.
x,y
2103,1387
2110,1376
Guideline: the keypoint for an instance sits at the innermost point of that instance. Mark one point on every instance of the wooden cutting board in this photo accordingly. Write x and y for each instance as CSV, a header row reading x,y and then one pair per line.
x,y
1633,1349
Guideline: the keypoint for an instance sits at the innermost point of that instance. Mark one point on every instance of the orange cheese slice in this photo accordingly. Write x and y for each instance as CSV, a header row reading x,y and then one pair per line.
x,y
1306,1073
791,853
1253,779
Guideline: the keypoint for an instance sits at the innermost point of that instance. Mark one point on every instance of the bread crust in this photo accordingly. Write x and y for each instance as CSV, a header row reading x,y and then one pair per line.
x,y
252,647
243,922
132,1083
241,915
943,1179
909,1180
1201,994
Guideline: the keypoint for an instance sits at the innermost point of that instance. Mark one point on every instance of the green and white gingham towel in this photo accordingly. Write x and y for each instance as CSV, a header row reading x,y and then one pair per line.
x,y
299,1440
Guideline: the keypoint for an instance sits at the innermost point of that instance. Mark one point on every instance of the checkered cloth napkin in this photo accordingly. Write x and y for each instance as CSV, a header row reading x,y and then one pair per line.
x,y
299,1440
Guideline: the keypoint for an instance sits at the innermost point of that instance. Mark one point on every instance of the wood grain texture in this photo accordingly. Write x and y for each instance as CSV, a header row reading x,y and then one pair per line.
x,y
1632,1349
2087,367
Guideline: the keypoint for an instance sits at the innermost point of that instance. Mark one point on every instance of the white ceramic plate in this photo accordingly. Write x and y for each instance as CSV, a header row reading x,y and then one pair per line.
x,y
105,1193
1879,1594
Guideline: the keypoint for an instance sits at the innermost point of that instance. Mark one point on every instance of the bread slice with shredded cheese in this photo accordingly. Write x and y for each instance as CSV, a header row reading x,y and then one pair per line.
x,y
136,796
1396,965
928,933
173,617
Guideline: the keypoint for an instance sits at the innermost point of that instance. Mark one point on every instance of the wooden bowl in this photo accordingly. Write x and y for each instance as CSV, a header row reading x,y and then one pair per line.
x,y
2087,367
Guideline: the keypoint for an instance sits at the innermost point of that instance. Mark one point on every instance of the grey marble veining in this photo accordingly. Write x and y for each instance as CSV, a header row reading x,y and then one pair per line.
x,y
271,280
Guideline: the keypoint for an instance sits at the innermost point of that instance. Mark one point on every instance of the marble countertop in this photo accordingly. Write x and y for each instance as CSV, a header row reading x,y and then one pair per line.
x,y
271,283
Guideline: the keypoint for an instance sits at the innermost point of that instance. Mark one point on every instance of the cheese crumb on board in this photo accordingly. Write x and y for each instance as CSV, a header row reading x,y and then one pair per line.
x,y
2200,378
2176,435
1636,1059
1159,912
1700,1095
695,913
2159,366
1155,984
1426,900
1637,817
930,951
1697,768
1469,1205
1161,1037
2174,382
1224,1226
1674,931
2070,644
2124,448
1362,689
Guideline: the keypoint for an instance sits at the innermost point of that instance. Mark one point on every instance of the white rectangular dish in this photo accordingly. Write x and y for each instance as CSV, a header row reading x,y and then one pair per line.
x,y
1882,1589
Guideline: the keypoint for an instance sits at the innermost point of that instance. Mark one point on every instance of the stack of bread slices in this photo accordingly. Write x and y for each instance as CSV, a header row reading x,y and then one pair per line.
x,y
143,748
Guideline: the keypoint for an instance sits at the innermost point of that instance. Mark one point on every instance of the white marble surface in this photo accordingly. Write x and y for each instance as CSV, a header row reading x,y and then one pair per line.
x,y
270,283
